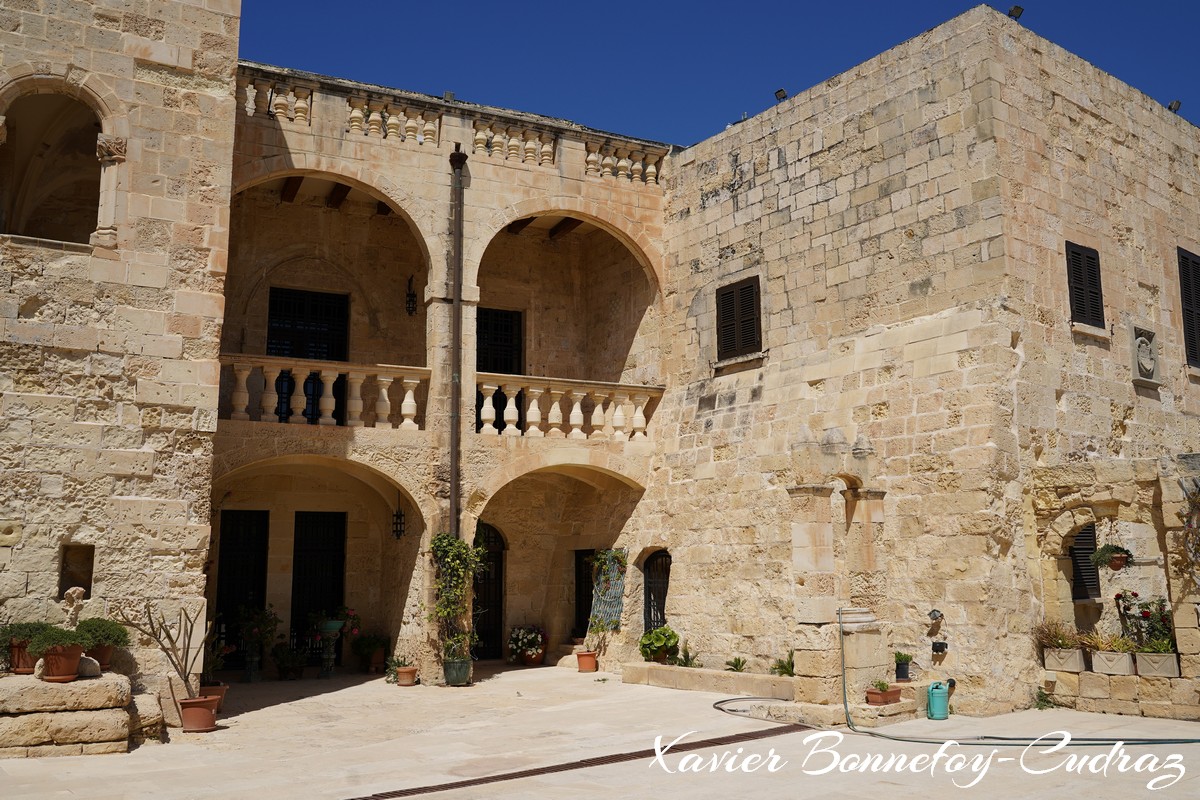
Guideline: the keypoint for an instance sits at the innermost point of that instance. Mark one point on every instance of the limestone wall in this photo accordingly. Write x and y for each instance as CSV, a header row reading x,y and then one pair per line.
x,y
1087,159
869,209
108,371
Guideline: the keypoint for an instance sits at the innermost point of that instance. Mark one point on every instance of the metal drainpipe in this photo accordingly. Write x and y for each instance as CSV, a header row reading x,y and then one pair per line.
x,y
458,160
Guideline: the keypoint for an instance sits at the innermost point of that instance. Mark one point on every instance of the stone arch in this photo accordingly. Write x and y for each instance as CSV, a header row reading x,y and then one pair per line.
x,y
602,215
25,79
573,463
383,483
248,174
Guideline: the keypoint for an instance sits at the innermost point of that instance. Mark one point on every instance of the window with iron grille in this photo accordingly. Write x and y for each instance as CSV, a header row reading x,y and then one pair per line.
x,y
1083,284
738,329
1085,577
658,578
1189,290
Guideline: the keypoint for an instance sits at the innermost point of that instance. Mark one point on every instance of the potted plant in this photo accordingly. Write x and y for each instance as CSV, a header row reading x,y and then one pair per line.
x,y
371,649
1111,652
659,644
1149,624
882,694
18,635
177,641
60,651
456,563
1113,556
588,659
290,661
527,644
214,660
106,636
400,671
903,660
258,628
1061,651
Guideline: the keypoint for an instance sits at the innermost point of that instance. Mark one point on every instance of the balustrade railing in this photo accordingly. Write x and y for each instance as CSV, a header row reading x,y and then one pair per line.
x,y
520,405
295,391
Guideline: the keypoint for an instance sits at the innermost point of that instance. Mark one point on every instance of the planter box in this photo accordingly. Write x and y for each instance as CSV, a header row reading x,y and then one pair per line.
x,y
1158,665
883,697
1108,663
1064,660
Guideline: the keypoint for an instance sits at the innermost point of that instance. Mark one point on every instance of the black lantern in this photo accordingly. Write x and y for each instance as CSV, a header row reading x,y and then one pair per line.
x,y
398,523
410,298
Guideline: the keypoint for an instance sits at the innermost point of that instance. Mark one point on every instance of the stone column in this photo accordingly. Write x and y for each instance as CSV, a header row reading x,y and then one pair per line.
x,y
110,150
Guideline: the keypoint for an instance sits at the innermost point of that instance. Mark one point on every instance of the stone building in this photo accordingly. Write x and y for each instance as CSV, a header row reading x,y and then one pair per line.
x,y
891,345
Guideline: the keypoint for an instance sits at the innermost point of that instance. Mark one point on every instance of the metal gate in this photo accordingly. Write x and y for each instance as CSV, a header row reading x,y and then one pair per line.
x,y
318,570
657,573
241,575
489,595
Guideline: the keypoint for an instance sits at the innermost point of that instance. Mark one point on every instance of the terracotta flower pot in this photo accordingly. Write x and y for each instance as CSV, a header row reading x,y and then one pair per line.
x,y
535,659
22,663
377,660
103,654
406,676
217,690
883,697
199,714
61,664
587,660
1118,561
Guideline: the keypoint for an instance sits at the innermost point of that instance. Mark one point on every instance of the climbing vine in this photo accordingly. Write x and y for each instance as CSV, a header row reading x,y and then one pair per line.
x,y
456,563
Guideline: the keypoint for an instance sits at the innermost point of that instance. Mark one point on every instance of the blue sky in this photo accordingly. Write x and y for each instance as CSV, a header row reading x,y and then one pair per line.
x,y
679,72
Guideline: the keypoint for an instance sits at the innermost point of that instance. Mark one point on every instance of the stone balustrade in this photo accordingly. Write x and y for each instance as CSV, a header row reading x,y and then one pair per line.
x,y
520,405
394,116
507,142
265,390
621,162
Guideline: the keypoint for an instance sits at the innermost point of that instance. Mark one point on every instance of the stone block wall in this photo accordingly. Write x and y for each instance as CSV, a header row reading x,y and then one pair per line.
x,y
869,209
108,370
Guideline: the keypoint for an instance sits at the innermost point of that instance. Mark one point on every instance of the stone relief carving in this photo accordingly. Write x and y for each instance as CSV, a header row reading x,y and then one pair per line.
x,y
1145,362
110,148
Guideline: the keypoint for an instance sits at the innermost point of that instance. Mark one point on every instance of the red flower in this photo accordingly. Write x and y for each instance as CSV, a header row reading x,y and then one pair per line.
x,y
1146,614
1135,594
1118,595
354,632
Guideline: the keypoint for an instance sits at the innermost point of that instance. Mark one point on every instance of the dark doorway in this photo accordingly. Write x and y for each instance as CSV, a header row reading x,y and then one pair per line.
x,y
318,569
312,326
657,572
583,592
489,595
500,349
241,575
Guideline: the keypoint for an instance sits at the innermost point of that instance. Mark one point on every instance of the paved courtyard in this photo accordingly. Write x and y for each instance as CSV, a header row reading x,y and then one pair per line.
x,y
354,736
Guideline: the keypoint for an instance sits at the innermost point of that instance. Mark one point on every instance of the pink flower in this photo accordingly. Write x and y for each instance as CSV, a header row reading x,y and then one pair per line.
x,y
354,632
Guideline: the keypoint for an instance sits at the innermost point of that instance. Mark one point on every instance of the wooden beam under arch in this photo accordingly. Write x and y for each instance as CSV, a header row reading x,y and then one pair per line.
x,y
516,227
337,196
565,226
291,187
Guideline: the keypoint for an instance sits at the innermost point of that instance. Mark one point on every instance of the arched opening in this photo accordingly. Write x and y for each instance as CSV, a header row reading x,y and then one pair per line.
x,y
657,580
322,271
307,536
49,170
560,297
553,520
488,603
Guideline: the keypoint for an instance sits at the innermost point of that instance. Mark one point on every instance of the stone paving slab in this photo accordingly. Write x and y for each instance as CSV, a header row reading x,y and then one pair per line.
x,y
351,737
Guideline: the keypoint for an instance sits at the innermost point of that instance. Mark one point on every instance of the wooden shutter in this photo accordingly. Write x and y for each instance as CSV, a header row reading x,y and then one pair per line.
x,y
738,329
1189,290
1083,283
1085,577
